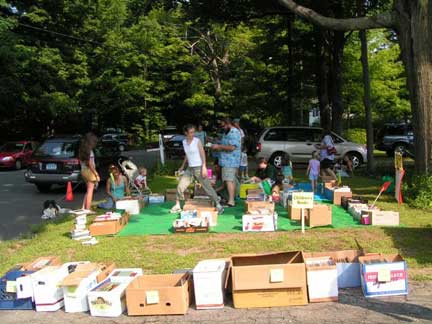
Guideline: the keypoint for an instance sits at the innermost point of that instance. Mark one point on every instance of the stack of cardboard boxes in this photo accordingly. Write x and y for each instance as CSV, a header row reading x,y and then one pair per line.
x,y
335,194
371,215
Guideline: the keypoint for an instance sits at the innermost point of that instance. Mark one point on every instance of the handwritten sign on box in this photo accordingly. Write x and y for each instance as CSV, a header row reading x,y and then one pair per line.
x,y
302,199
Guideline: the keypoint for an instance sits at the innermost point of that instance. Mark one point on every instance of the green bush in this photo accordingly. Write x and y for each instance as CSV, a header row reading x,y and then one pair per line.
x,y
170,167
419,192
356,135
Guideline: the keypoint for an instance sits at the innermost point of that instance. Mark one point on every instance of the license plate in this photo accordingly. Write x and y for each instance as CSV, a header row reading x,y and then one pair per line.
x,y
51,166
176,145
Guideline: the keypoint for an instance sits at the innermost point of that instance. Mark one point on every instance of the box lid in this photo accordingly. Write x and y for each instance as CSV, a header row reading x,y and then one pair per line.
x,y
378,258
320,263
206,266
81,272
42,262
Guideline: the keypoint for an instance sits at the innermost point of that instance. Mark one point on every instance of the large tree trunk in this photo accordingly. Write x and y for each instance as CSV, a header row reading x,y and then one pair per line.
x,y
322,82
367,102
291,111
415,38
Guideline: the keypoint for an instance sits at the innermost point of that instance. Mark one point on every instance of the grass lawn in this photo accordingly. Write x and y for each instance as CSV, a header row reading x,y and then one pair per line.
x,y
163,254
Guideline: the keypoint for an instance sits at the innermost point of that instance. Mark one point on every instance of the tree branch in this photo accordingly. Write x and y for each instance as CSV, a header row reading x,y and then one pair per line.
x,y
383,20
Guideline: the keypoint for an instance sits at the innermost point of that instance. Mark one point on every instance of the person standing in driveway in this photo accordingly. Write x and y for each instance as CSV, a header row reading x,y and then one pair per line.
x,y
229,159
88,167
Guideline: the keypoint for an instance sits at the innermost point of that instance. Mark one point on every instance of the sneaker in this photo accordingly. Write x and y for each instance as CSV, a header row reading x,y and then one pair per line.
x,y
176,209
220,209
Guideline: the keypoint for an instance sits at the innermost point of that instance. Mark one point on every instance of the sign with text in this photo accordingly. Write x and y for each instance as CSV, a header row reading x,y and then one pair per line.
x,y
302,199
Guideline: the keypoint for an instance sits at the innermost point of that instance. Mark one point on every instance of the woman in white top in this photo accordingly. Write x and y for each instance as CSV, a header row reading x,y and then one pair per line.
x,y
196,159
327,154
88,168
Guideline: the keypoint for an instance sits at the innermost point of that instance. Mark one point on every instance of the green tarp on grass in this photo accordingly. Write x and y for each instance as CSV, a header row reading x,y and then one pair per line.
x,y
156,219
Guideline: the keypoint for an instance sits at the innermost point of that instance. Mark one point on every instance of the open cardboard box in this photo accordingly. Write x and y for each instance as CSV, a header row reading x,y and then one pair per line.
x,y
109,227
204,212
294,213
322,279
319,215
159,295
269,280
255,206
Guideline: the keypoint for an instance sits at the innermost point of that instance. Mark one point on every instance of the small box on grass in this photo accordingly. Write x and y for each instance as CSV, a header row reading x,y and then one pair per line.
x,y
319,215
108,298
383,275
384,218
335,194
108,224
48,293
156,199
159,295
209,278
259,223
345,201
210,213
347,264
322,279
77,285
244,187
131,205
294,213
269,280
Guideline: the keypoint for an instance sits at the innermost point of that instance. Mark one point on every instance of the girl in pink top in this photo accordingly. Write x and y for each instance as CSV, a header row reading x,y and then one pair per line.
x,y
313,170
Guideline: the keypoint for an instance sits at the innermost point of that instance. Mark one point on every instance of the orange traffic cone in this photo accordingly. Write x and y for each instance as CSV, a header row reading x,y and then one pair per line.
x,y
69,192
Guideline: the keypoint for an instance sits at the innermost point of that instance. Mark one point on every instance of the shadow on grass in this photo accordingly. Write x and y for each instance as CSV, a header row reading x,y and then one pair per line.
x,y
40,228
414,243
399,310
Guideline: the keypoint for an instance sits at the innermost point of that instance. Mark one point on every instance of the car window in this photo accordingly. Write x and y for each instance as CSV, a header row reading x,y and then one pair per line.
x,y
12,147
276,134
316,135
28,147
394,130
299,135
57,150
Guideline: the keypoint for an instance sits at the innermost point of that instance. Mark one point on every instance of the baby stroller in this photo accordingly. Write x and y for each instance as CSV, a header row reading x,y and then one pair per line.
x,y
130,171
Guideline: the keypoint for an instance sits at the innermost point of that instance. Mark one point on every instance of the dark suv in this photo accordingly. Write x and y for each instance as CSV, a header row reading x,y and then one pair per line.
x,y
56,162
395,137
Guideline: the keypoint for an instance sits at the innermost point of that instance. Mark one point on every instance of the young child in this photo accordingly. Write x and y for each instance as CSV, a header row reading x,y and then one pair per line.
x,y
244,165
287,170
141,179
313,170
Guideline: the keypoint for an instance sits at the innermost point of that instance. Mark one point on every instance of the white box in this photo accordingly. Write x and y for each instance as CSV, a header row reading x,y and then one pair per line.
x,y
209,282
48,294
132,206
77,285
259,223
383,275
111,303
322,279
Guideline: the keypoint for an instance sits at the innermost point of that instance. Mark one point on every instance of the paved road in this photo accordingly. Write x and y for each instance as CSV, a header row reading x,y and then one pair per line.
x,y
21,204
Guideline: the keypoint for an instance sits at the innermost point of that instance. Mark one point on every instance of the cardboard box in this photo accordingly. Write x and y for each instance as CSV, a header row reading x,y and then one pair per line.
x,y
335,194
159,295
383,275
259,207
48,294
294,213
209,277
156,199
258,191
259,223
244,187
319,215
171,194
77,285
384,218
210,213
109,227
131,206
41,262
107,299
345,201
193,204
322,279
347,265
269,280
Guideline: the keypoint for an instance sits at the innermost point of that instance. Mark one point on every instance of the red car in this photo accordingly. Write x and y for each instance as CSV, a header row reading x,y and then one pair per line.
x,y
16,154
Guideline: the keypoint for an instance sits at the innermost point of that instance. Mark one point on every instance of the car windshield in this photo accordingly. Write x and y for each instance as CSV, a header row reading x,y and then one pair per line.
x,y
12,147
59,149
177,138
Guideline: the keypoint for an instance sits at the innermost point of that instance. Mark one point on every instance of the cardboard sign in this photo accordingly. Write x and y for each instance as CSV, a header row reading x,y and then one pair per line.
x,y
152,297
302,200
276,275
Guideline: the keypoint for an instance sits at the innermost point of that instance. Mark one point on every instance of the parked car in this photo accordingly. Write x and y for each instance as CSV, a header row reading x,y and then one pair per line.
x,y
298,143
16,154
174,147
119,140
169,132
395,137
56,162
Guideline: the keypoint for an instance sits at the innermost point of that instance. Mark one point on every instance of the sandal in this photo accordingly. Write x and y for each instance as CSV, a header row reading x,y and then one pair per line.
x,y
175,210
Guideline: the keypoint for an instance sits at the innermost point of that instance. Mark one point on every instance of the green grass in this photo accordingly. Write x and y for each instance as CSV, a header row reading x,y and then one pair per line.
x,y
163,254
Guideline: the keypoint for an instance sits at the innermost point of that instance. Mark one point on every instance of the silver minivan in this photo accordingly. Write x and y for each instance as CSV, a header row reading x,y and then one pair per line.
x,y
299,143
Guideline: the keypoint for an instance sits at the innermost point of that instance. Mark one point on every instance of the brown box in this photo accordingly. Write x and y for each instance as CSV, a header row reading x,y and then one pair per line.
x,y
294,213
41,262
109,227
159,295
171,194
254,206
254,191
105,270
269,280
319,215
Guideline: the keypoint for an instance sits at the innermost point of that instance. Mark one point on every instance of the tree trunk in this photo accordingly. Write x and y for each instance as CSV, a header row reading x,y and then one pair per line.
x,y
415,38
291,111
367,102
322,82
335,78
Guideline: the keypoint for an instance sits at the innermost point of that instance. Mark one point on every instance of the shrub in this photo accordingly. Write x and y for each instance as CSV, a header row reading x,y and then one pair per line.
x,y
356,135
419,192
170,167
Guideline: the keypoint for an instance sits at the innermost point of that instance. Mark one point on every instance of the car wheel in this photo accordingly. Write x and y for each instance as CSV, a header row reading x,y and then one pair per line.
x,y
121,148
18,165
400,147
277,159
356,159
43,188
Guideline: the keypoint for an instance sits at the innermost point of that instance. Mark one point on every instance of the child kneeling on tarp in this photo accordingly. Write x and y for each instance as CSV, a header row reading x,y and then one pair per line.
x,y
116,188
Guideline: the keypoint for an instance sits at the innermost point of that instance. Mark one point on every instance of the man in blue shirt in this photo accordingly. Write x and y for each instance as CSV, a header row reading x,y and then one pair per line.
x,y
229,157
